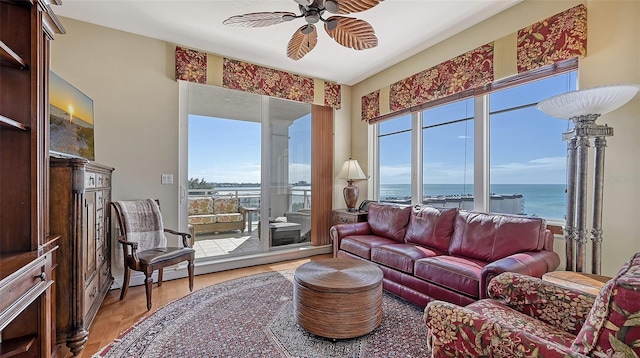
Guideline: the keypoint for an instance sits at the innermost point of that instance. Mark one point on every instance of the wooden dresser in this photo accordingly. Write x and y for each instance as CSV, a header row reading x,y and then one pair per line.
x,y
80,213
27,250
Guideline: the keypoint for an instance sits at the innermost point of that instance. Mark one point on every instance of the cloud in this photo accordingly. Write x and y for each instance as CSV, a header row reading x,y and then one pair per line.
x,y
547,170
396,174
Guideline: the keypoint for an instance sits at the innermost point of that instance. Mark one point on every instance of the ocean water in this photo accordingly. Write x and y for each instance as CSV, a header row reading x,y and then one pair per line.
x,y
544,200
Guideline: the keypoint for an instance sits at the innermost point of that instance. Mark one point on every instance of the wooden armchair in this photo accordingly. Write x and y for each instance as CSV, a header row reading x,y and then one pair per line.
x,y
144,243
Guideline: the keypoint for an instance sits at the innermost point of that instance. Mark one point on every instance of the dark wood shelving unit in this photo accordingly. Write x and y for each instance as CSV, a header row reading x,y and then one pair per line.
x,y
8,122
10,58
16,346
27,249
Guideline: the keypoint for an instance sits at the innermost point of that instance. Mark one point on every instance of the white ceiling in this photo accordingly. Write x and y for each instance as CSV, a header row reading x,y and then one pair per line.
x,y
403,28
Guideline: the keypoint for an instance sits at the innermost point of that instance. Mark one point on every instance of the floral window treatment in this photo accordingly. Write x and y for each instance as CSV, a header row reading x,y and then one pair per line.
x,y
191,65
470,70
557,38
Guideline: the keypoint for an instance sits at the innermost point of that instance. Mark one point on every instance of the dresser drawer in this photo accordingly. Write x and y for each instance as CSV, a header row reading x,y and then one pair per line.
x,y
90,180
99,199
24,285
105,276
90,294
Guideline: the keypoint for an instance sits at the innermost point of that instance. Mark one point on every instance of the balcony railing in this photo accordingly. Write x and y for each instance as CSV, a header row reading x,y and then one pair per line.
x,y
250,197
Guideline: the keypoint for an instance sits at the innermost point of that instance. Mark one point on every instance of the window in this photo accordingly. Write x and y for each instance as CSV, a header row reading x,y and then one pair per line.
x,y
527,154
448,154
395,159
525,165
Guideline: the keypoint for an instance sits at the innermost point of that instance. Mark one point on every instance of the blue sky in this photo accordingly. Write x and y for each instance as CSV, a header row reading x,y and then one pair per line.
x,y
526,145
223,150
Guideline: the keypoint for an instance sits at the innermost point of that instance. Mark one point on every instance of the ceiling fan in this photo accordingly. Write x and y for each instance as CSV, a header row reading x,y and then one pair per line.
x,y
349,32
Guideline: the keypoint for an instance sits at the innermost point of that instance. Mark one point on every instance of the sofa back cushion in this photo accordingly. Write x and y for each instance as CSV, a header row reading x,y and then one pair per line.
x,y
491,237
200,206
388,221
612,327
224,205
432,227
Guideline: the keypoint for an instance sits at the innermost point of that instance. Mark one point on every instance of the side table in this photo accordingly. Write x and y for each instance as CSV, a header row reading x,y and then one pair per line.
x,y
342,216
250,212
580,281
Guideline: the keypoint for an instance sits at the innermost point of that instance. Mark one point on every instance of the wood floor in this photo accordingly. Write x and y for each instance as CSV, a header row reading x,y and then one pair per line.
x,y
116,316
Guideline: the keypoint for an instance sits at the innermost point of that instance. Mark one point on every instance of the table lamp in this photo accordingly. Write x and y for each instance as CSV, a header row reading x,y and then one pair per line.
x,y
351,171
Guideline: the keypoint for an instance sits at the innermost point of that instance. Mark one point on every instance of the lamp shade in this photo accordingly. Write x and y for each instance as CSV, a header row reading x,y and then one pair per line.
x,y
596,100
351,171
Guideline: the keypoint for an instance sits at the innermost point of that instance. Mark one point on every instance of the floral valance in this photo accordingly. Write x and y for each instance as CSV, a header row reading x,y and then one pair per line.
x,y
469,70
244,76
557,38
191,65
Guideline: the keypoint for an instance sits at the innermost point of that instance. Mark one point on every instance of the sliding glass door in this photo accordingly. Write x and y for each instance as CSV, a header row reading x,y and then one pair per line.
x,y
245,150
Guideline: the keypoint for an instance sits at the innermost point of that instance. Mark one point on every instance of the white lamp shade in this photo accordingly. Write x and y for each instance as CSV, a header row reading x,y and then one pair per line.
x,y
596,100
351,171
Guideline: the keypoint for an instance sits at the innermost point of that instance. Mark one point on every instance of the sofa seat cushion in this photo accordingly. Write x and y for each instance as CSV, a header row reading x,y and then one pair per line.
x,y
361,245
432,227
521,322
229,218
401,257
456,273
202,219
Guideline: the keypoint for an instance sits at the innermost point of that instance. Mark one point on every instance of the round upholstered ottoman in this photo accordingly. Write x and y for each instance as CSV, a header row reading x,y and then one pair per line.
x,y
338,298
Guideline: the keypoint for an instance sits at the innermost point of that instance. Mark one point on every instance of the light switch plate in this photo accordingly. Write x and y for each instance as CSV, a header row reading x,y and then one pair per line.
x,y
167,178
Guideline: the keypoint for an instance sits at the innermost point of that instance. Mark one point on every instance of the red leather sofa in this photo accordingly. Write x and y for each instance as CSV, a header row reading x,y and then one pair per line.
x,y
446,254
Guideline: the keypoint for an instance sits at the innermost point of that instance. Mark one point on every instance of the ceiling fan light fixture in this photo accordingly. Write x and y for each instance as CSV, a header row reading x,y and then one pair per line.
x,y
307,29
289,17
331,24
331,6
346,31
312,16
304,2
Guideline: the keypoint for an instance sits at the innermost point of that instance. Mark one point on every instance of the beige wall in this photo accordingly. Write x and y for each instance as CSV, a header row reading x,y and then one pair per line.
x,y
130,78
613,37
136,106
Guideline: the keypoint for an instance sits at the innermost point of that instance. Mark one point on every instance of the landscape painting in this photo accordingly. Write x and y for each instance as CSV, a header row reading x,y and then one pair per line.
x,y
71,120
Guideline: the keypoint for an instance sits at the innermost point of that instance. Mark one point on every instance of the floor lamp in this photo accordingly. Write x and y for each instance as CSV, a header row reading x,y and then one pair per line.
x,y
583,107
351,171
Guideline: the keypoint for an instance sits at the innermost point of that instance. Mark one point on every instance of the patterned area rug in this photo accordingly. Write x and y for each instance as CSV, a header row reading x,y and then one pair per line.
x,y
253,317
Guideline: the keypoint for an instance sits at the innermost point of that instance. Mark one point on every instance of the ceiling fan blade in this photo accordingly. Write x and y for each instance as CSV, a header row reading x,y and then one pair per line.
x,y
353,33
258,19
351,6
302,41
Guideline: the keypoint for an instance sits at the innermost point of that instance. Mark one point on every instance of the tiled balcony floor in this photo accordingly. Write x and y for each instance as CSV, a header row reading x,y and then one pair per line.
x,y
228,243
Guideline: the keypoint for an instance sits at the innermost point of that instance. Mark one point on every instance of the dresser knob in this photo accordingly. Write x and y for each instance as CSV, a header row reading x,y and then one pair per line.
x,y
42,276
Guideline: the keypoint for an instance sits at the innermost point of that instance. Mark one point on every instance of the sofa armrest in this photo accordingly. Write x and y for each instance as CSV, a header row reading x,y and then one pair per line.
x,y
337,232
549,302
458,331
532,263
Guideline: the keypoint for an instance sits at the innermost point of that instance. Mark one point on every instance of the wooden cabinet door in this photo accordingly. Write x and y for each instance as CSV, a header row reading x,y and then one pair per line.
x,y
89,235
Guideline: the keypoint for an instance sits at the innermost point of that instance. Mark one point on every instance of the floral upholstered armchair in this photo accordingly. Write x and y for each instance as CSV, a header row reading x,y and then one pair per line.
x,y
528,317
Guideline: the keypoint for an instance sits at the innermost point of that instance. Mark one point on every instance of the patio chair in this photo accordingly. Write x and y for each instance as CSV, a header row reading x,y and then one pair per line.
x,y
144,243
529,317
